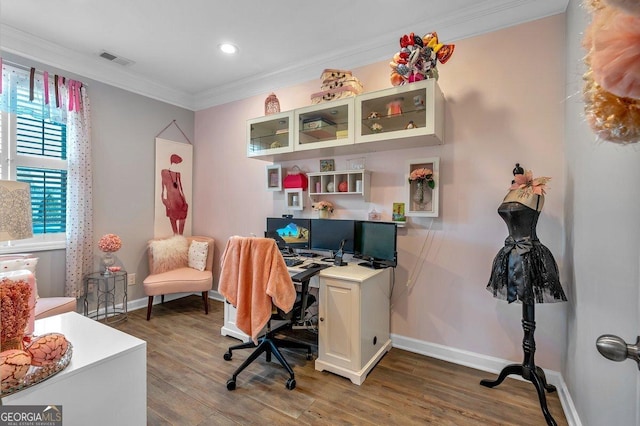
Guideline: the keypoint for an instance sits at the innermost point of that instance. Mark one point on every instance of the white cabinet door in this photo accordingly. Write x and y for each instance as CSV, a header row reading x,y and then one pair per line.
x,y
339,323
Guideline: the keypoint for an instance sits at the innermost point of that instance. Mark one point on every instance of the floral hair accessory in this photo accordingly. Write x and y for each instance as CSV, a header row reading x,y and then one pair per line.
x,y
423,175
323,205
527,186
109,243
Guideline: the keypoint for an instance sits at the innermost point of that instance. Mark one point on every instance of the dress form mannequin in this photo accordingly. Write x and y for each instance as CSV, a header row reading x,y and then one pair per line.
x,y
525,271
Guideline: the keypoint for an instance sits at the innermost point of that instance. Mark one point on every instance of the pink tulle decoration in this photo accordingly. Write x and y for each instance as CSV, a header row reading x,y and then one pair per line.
x,y
615,53
631,7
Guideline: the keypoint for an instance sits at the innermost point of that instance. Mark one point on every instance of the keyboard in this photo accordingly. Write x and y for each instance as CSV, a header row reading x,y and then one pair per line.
x,y
292,261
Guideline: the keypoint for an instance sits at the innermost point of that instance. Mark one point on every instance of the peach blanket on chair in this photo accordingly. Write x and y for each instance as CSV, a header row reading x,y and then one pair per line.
x,y
253,277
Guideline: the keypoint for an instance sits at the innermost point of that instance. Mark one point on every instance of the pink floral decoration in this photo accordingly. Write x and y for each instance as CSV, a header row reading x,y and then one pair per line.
x,y
422,175
323,205
109,243
527,186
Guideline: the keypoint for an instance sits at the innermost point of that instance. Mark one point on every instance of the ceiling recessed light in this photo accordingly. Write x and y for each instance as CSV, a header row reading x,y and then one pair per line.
x,y
228,48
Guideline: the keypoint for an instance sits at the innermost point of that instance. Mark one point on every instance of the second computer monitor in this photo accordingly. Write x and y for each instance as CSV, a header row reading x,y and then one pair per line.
x,y
327,234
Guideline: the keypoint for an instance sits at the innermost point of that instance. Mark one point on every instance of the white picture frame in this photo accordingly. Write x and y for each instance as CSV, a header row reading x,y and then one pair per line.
x,y
274,177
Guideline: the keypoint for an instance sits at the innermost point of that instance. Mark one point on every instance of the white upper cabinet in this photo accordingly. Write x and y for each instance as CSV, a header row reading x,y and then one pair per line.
x,y
411,116
400,117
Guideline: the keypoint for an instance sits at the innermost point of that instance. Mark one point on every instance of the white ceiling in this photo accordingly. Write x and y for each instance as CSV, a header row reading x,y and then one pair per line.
x,y
173,44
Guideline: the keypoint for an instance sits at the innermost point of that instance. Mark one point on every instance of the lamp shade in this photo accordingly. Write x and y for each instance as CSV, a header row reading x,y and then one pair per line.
x,y
15,210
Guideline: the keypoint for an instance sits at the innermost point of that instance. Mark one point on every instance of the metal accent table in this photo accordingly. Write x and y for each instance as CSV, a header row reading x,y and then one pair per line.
x,y
105,290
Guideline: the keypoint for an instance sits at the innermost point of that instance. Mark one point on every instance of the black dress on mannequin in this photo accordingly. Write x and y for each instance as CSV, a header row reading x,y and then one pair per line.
x,y
525,270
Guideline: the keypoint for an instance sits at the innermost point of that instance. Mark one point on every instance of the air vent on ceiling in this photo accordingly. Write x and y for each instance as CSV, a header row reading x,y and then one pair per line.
x,y
114,58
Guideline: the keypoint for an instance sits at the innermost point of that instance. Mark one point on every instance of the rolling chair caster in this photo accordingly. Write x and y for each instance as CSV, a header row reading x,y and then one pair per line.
x,y
231,384
291,384
227,356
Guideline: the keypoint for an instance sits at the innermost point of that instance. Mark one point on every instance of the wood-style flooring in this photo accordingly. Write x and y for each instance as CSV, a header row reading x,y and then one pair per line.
x,y
187,375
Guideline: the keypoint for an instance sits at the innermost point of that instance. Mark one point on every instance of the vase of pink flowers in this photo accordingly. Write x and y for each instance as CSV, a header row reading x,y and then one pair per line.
x,y
109,244
421,179
324,209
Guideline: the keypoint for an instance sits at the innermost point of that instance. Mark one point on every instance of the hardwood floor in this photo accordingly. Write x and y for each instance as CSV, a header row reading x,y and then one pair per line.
x,y
187,375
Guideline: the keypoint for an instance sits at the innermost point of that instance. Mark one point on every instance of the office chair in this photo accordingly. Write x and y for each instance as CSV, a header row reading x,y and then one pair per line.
x,y
260,259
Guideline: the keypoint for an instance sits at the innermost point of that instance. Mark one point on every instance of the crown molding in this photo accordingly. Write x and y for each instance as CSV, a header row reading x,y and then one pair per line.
x,y
29,47
482,17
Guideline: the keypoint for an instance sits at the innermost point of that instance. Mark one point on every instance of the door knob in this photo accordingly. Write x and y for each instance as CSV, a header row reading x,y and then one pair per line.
x,y
614,348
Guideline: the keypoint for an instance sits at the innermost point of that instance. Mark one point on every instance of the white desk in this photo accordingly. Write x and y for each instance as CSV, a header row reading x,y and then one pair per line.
x,y
104,384
353,313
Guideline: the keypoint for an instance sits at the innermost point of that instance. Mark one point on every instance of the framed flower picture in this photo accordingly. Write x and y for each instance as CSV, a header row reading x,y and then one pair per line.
x,y
422,187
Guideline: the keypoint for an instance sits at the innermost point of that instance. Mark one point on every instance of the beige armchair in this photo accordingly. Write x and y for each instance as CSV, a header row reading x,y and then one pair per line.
x,y
177,275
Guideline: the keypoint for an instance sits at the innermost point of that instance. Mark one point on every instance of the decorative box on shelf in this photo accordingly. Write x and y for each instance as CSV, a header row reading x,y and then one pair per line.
x,y
421,199
296,179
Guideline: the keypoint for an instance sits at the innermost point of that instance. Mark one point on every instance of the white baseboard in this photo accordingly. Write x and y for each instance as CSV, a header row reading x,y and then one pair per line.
x,y
488,364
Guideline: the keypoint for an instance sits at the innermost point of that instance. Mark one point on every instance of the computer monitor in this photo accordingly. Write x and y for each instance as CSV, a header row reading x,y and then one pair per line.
x,y
376,242
294,231
328,234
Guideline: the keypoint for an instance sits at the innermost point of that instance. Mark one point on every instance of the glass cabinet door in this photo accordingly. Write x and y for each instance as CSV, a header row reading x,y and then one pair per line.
x,y
407,111
270,135
324,125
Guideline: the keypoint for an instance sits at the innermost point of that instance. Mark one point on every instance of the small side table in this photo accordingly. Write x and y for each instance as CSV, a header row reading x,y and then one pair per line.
x,y
105,290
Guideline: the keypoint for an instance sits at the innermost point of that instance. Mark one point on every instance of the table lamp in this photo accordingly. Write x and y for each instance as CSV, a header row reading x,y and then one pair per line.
x,y
16,224
15,210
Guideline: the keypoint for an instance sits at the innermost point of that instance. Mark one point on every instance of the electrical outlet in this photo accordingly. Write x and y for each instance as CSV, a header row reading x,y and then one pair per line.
x,y
131,279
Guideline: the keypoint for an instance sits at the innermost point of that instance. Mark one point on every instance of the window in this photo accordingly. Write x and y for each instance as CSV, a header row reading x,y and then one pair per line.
x,y
34,150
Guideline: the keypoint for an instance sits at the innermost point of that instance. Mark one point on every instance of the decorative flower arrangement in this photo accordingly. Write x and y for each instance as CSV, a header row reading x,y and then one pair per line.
x,y
14,308
323,205
423,175
109,243
527,186
418,57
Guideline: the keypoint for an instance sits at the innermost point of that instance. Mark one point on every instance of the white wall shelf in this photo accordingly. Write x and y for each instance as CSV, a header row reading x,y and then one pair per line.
x,y
294,198
348,182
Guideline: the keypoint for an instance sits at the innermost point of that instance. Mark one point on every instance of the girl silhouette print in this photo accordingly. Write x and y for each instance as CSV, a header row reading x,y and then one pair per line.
x,y
173,196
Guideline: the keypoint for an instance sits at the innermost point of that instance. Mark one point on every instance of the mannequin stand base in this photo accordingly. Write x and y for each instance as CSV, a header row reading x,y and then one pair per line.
x,y
535,376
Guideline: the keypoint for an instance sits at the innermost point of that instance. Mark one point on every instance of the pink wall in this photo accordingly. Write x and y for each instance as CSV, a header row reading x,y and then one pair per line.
x,y
504,104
